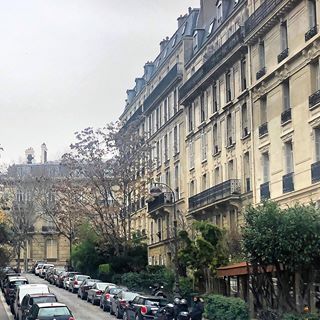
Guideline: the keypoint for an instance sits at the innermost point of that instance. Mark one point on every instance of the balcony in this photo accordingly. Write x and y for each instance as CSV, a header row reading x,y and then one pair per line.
x,y
261,73
260,14
284,54
219,192
315,172
164,199
216,58
162,88
287,183
48,229
286,116
265,191
311,33
263,129
314,99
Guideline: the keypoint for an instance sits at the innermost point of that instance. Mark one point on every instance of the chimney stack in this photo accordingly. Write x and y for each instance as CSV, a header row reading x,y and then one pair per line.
x,y
131,93
139,84
44,153
163,43
181,20
148,70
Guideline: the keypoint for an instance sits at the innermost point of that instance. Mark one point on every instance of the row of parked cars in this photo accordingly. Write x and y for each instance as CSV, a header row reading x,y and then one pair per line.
x,y
116,299
31,301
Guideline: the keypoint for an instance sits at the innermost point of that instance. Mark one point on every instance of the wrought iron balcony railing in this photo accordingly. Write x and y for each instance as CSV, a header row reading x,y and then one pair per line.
x,y
49,229
284,54
315,172
263,129
212,61
311,33
215,193
163,86
287,182
160,201
260,14
314,99
286,116
265,191
261,73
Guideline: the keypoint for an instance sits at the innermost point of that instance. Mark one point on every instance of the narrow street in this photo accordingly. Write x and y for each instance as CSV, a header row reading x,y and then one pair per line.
x,y
82,310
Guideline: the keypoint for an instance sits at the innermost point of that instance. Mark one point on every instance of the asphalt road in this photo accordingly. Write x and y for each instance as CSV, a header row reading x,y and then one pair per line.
x,y
82,310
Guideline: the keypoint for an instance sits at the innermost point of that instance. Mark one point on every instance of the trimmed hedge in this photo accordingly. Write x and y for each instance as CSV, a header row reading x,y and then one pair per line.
x,y
218,307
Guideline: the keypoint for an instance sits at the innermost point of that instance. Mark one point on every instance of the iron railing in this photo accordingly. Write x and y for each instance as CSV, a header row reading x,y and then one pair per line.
x,y
315,172
163,199
284,54
215,193
161,88
265,191
212,61
286,116
263,129
260,14
287,183
311,33
314,99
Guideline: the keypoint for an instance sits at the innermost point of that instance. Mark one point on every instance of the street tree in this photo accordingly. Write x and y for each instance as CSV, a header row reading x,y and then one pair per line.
x,y
205,252
112,164
286,242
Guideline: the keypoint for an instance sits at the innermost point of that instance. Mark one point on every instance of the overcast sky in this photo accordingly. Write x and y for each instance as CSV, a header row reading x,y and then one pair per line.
x,y
66,64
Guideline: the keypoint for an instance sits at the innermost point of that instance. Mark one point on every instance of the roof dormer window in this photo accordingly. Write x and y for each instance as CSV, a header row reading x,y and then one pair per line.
x,y
219,11
184,28
210,28
174,41
165,53
195,40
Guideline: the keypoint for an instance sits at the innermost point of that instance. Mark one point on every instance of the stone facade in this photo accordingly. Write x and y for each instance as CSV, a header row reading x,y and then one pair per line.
x,y
247,112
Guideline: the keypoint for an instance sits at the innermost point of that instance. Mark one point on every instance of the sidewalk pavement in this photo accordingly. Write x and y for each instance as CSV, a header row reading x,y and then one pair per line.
x,y
5,313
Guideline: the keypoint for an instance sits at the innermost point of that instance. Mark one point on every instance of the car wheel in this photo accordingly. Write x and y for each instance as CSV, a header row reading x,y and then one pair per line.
x,y
88,300
100,304
118,314
111,311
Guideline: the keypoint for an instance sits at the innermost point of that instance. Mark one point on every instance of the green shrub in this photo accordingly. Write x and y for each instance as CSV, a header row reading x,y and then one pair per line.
x,y
224,308
186,286
291,316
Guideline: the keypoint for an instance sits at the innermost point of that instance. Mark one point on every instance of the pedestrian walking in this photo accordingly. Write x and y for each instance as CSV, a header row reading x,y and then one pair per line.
x,y
197,309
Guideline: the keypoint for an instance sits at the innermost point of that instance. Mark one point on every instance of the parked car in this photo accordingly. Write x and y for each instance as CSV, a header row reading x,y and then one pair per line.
x,y
38,268
76,281
120,302
30,299
144,307
48,273
25,289
67,278
95,292
36,264
85,286
6,276
54,274
10,287
50,311
109,292
44,268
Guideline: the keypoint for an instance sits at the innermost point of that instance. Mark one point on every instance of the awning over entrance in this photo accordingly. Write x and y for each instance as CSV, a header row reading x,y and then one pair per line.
x,y
237,269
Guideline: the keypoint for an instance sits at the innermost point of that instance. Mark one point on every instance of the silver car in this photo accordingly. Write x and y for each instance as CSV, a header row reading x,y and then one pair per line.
x,y
76,281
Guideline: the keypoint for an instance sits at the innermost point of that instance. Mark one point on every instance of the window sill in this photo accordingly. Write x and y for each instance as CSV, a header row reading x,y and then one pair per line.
x,y
191,169
191,133
263,135
202,125
228,104
216,154
204,161
231,146
214,115
246,136
283,124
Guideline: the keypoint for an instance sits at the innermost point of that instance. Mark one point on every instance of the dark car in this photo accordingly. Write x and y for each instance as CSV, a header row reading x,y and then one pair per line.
x,y
50,311
30,299
85,286
62,276
53,276
144,307
5,277
96,291
120,302
108,294
10,287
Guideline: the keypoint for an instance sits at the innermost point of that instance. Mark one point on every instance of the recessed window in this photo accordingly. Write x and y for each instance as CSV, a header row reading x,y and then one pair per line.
x,y
210,28
174,41
184,28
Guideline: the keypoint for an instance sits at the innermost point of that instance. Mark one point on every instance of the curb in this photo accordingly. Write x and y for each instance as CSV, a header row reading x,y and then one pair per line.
x,y
5,313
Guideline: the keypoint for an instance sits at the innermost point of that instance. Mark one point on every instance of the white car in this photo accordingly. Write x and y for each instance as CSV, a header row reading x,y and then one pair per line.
x,y
37,269
25,289
44,268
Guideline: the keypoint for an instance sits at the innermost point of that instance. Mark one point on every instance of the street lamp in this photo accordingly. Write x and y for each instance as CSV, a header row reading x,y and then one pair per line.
x,y
155,191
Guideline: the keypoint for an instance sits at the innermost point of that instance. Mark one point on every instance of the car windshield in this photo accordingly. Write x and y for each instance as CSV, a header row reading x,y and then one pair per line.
x,y
156,302
129,295
81,278
115,290
17,283
53,312
44,299
101,286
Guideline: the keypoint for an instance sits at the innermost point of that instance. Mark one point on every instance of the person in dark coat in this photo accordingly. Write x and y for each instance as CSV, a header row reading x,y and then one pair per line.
x,y
197,309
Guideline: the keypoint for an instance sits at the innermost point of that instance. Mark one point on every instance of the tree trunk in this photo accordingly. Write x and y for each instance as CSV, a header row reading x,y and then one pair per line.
x,y
70,250
18,260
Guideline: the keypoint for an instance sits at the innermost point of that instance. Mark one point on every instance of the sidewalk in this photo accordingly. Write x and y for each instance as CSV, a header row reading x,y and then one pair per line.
x,y
5,313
